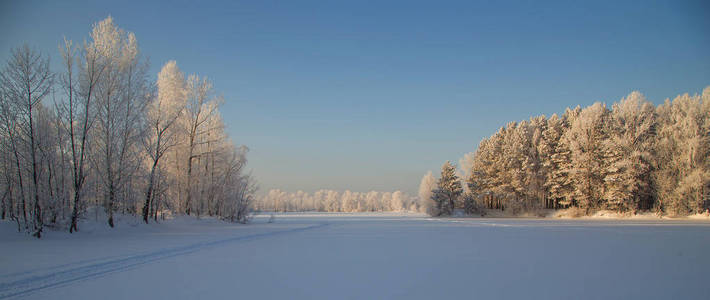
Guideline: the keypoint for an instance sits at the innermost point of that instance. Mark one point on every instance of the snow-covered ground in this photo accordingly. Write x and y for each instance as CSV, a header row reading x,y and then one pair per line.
x,y
362,256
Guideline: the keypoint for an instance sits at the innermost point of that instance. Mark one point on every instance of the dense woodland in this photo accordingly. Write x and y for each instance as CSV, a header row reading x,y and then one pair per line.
x,y
98,133
633,156
335,201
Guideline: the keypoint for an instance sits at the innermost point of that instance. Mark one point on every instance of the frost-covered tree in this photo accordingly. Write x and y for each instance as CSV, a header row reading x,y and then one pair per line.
x,y
448,190
200,108
399,203
348,201
524,164
80,108
559,181
332,201
9,157
386,201
466,167
372,202
335,201
426,190
26,80
52,163
683,154
120,100
486,171
629,154
585,138
163,112
555,161
533,166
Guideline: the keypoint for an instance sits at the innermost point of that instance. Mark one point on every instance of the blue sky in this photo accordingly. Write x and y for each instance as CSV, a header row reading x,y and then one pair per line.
x,y
368,95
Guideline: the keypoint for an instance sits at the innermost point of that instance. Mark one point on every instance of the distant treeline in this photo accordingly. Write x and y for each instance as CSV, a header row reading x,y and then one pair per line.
x,y
335,201
630,157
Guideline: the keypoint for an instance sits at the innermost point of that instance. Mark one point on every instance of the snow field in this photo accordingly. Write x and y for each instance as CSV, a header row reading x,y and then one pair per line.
x,y
364,256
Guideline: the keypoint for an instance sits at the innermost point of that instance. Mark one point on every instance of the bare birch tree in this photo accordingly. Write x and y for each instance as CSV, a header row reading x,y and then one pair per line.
x,y
27,80
163,111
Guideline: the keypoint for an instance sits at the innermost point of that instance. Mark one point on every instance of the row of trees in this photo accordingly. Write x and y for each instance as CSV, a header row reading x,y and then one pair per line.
x,y
99,133
634,156
335,201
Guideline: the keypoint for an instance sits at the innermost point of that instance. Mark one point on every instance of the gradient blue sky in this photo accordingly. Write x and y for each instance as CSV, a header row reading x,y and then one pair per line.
x,y
368,95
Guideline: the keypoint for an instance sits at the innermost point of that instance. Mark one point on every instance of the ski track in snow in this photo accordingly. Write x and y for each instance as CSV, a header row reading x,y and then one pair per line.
x,y
75,272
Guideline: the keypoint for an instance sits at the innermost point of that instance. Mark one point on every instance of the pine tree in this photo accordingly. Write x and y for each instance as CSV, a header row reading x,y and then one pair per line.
x,y
585,138
629,154
547,148
515,151
683,148
560,183
535,171
448,190
487,168
470,203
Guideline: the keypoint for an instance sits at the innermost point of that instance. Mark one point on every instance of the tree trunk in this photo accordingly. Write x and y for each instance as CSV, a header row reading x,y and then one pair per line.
x,y
22,189
79,166
33,151
4,204
111,196
149,190
188,185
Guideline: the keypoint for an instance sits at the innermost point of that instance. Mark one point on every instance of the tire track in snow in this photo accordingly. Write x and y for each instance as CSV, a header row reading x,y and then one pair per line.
x,y
28,285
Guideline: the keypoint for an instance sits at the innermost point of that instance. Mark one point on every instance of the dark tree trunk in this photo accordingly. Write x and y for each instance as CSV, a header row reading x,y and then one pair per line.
x,y
112,195
149,192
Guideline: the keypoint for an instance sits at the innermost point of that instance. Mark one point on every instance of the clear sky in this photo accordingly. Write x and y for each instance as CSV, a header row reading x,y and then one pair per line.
x,y
368,95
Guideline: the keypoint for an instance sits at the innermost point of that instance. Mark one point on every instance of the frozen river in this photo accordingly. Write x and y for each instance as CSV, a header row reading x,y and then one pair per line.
x,y
364,256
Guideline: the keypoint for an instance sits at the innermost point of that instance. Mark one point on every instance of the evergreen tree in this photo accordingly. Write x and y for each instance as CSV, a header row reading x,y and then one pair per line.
x,y
448,190
683,149
470,203
629,154
535,171
586,138
547,149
